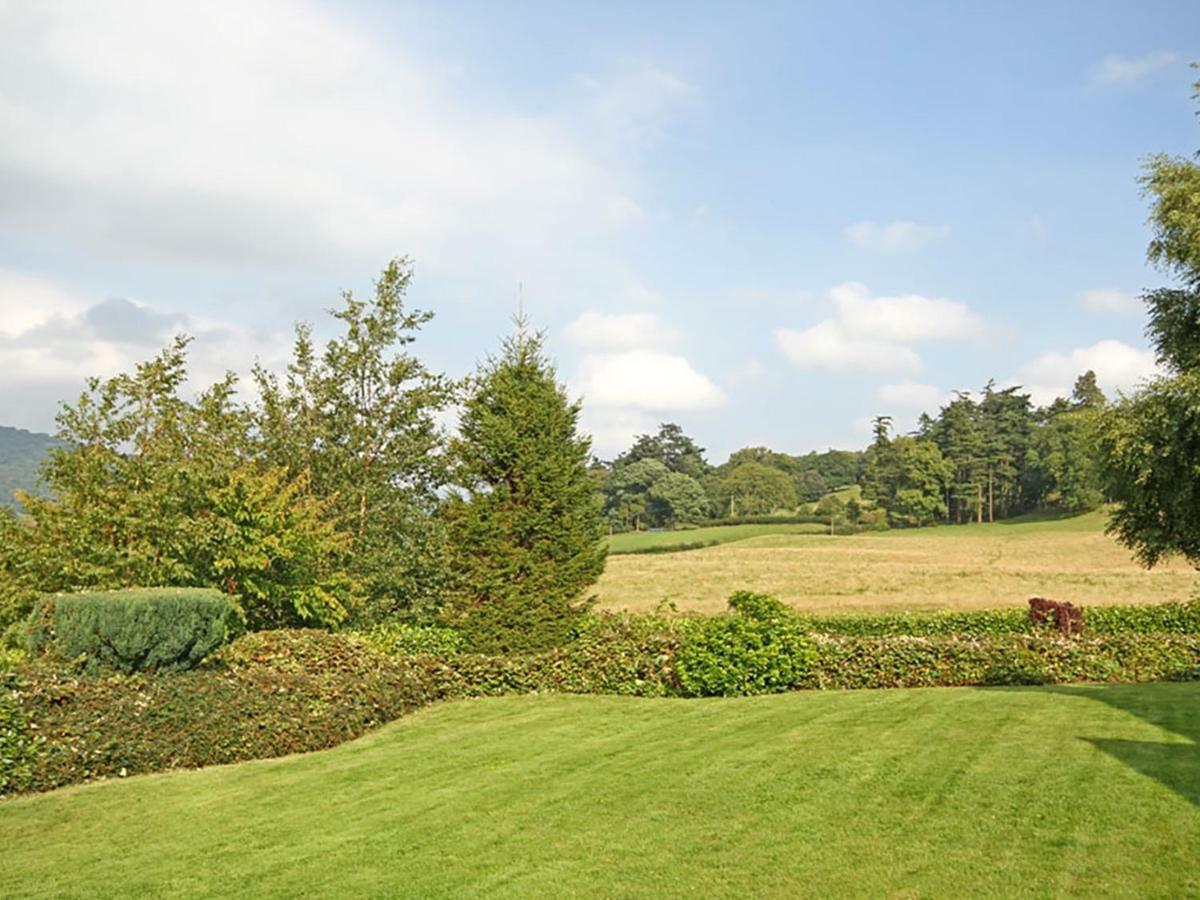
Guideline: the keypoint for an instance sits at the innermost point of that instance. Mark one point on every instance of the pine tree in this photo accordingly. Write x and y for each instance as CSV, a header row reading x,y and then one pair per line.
x,y
525,529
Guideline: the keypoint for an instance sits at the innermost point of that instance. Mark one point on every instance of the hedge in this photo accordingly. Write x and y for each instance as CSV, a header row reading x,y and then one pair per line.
x,y
1173,618
19,747
267,694
146,629
272,693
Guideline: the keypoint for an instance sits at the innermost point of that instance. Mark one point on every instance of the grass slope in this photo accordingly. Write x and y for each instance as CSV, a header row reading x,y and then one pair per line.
x,y
644,541
950,567
1083,791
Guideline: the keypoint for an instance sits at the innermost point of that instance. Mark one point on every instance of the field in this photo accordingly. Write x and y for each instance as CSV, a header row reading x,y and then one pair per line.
x,y
951,567
1081,791
643,541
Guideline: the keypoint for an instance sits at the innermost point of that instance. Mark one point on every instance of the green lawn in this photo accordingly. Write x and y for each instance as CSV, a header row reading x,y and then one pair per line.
x,y
1085,791
635,541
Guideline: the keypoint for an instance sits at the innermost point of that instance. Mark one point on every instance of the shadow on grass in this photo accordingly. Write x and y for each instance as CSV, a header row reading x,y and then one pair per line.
x,y
1169,706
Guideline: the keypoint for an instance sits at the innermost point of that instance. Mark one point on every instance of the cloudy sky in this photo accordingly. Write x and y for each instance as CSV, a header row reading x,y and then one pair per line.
x,y
767,222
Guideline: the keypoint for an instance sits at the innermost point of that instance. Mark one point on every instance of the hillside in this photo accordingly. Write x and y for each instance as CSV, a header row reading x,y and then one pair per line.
x,y
21,453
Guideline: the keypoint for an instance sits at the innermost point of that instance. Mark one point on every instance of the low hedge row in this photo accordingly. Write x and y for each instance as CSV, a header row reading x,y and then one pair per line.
x,y
1162,618
267,694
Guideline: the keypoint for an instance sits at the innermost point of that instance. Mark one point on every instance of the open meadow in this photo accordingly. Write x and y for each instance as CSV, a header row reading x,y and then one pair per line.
x,y
1071,791
948,567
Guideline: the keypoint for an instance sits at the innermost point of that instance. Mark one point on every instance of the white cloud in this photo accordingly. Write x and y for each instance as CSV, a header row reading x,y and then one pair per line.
x,y
903,319
48,351
913,395
875,333
628,373
646,380
629,331
827,346
264,133
1114,69
1111,300
1117,365
895,237
26,301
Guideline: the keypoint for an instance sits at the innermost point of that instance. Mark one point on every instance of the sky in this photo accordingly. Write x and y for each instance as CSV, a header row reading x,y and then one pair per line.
x,y
766,222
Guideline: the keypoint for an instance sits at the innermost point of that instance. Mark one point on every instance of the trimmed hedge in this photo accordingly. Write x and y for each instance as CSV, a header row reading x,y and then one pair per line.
x,y
903,661
1168,618
267,694
146,629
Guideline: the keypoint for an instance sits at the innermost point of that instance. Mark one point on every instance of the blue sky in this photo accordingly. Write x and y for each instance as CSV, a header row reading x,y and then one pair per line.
x,y
768,222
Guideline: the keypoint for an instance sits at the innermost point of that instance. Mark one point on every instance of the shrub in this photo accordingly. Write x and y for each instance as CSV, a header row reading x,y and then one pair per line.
x,y
761,649
18,745
1067,618
406,639
149,629
266,694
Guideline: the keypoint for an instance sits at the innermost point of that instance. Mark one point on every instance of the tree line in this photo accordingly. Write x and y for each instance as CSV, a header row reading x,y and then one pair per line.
x,y
979,458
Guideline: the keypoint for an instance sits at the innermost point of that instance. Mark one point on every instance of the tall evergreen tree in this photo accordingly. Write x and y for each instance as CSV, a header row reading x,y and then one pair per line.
x,y
525,529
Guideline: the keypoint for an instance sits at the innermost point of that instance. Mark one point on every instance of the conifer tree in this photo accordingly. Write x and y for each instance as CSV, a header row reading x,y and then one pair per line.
x,y
525,528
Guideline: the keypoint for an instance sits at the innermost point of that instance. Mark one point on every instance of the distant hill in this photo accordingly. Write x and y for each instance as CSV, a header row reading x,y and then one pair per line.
x,y
21,453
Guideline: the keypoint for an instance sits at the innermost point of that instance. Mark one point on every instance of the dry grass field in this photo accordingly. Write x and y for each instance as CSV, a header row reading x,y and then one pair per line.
x,y
951,567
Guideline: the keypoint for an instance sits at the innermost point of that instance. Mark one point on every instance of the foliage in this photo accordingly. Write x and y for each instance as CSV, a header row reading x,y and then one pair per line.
x,y
1149,444
357,422
627,500
148,488
761,649
1066,465
407,639
267,694
753,488
907,477
526,530
905,661
11,657
19,746
677,498
271,693
671,447
1156,618
166,629
1150,440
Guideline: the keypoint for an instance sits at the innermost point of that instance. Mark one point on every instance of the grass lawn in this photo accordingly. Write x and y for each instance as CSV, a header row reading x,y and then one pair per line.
x,y
634,541
1085,791
950,567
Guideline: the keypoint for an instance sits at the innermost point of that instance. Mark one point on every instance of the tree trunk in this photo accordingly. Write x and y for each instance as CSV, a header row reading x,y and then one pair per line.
x,y
991,507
